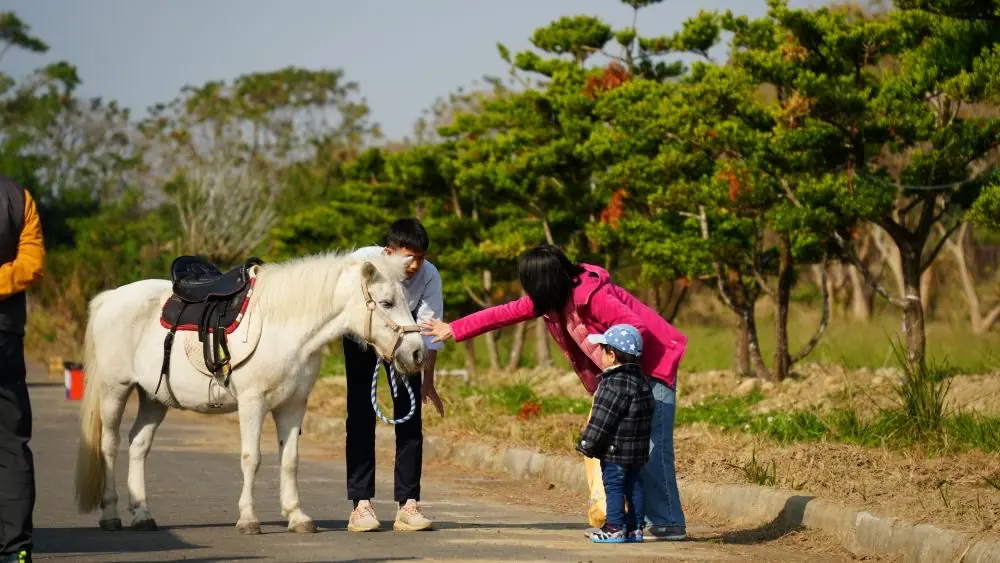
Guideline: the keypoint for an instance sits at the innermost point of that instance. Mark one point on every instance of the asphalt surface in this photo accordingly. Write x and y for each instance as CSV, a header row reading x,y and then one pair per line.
x,y
194,481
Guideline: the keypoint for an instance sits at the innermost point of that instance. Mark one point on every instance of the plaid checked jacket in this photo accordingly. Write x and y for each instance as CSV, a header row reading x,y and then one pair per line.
x,y
621,418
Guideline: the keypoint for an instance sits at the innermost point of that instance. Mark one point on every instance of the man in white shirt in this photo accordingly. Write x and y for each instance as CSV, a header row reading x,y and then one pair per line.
x,y
423,292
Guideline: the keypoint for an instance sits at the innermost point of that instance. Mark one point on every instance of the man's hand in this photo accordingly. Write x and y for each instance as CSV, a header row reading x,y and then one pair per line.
x,y
427,389
430,392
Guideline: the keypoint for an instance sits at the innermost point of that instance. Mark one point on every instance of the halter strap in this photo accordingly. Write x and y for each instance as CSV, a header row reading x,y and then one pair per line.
x,y
396,328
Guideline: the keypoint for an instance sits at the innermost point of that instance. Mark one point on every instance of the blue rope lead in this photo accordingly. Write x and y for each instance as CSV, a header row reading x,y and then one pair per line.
x,y
392,384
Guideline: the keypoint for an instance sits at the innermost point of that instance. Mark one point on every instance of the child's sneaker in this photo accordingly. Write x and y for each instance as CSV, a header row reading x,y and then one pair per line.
x,y
635,536
608,535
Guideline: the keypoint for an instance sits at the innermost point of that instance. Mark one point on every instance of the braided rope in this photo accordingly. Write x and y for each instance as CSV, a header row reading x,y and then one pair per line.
x,y
392,384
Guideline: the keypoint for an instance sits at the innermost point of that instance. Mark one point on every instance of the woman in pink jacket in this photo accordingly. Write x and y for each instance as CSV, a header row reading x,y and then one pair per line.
x,y
577,300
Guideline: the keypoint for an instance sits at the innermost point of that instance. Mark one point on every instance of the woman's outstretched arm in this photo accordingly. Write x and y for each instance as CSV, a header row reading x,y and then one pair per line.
x,y
481,322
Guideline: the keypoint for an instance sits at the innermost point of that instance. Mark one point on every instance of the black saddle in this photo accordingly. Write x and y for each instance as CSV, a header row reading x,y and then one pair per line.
x,y
196,279
208,301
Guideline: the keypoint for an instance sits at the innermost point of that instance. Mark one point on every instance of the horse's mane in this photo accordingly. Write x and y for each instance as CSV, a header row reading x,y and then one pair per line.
x,y
292,289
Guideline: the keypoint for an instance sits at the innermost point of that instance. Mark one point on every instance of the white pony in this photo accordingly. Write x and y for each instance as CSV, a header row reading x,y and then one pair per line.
x,y
295,308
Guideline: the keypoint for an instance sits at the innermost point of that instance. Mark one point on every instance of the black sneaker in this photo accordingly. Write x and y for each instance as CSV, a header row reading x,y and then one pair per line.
x,y
19,557
664,533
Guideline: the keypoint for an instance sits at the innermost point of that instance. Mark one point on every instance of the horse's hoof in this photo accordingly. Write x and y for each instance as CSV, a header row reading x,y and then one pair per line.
x,y
148,525
248,528
111,525
304,527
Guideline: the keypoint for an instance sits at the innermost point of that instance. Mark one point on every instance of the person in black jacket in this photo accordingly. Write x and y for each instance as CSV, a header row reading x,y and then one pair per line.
x,y
618,433
22,260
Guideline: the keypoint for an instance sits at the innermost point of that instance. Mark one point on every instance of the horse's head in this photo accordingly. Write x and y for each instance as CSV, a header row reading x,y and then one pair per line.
x,y
378,313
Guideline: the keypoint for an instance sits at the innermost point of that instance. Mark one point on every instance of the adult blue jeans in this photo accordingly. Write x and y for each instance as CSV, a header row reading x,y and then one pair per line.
x,y
623,483
663,500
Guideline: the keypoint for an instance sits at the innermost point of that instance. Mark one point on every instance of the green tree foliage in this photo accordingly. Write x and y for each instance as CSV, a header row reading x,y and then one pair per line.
x,y
877,94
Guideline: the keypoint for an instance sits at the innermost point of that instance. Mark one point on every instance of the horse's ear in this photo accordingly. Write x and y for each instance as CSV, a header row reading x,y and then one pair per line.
x,y
369,272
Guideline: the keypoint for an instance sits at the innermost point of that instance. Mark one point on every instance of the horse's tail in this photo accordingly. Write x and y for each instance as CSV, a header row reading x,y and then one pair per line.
x,y
89,464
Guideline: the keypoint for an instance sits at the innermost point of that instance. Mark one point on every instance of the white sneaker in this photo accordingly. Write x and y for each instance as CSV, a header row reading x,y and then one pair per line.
x,y
409,518
363,518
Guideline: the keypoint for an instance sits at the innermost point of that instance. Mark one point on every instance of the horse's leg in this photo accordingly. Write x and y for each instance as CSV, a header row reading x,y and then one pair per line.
x,y
288,421
147,420
252,412
113,399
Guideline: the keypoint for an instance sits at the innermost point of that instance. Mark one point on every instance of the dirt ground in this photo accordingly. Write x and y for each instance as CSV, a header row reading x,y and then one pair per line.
x,y
950,491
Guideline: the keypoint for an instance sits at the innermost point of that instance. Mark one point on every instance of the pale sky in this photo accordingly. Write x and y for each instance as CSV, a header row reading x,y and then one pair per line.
x,y
403,53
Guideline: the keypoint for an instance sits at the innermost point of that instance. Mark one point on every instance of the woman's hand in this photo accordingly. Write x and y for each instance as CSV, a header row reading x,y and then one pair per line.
x,y
440,330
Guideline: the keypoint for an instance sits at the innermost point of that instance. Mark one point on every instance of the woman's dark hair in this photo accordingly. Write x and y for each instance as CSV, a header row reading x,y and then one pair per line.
x,y
621,358
548,277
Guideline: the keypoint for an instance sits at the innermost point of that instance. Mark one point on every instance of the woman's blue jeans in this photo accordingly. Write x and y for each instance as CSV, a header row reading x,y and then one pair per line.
x,y
663,500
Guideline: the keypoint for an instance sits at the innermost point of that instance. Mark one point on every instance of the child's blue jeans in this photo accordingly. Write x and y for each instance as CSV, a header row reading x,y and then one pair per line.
x,y
623,483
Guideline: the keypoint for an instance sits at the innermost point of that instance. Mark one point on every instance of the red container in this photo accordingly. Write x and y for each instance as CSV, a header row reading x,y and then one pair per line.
x,y
74,380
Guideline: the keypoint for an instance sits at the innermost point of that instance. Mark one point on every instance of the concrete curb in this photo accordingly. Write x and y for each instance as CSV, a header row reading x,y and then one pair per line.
x,y
774,511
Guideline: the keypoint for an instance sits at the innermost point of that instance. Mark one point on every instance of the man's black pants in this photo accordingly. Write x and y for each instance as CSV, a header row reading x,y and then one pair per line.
x,y
17,466
361,430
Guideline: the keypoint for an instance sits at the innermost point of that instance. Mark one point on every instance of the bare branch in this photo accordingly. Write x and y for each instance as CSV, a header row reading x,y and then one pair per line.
x,y
823,322
956,245
848,250
945,235
475,298
723,292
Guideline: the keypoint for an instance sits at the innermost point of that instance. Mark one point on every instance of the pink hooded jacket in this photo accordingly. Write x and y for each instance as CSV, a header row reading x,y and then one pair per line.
x,y
600,304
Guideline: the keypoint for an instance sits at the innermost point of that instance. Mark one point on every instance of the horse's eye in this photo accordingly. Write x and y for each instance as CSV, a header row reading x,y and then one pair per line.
x,y
388,304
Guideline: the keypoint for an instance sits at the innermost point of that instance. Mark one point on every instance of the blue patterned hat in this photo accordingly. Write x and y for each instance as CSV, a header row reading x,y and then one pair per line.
x,y
624,338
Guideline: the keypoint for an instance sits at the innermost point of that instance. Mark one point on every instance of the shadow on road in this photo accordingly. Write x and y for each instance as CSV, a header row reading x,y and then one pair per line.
x,y
95,541
788,521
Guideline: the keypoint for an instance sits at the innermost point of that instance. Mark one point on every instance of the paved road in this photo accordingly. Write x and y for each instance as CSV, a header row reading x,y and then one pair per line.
x,y
194,482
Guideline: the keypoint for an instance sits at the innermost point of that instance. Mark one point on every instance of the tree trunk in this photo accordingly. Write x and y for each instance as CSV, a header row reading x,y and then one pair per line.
x,y
861,297
491,338
760,368
913,310
548,231
543,356
492,353
470,357
959,248
679,291
741,352
786,277
890,252
928,295
516,349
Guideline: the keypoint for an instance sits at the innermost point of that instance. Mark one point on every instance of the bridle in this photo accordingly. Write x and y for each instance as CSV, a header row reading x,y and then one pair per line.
x,y
399,330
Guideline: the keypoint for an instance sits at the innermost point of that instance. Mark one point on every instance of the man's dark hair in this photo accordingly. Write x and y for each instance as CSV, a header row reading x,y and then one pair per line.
x,y
408,233
548,277
621,357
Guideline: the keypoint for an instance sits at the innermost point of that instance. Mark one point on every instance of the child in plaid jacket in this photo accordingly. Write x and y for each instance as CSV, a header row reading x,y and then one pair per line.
x,y
618,433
